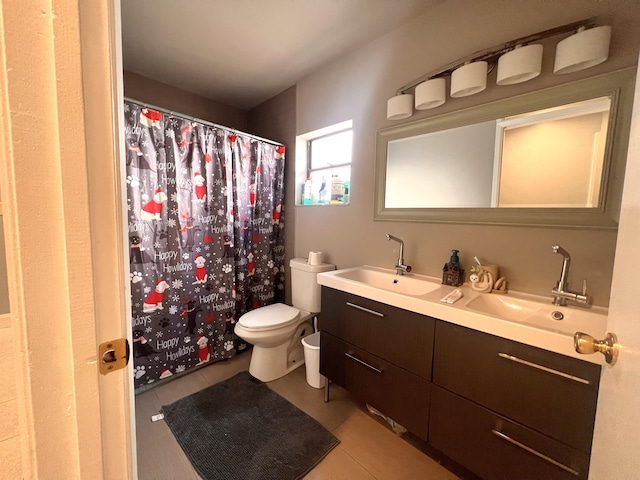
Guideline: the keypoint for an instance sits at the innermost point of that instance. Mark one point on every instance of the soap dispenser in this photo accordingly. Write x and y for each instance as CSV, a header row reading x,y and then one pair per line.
x,y
452,273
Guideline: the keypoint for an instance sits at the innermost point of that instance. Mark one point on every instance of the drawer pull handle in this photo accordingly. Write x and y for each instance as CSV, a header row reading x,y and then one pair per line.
x,y
535,452
543,368
364,309
370,367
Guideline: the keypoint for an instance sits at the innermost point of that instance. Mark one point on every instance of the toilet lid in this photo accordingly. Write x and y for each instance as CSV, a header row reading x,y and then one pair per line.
x,y
271,316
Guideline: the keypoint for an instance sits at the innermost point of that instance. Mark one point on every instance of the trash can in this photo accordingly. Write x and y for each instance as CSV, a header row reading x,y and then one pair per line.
x,y
311,344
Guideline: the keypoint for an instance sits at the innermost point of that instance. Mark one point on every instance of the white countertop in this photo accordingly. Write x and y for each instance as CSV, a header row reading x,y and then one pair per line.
x,y
538,330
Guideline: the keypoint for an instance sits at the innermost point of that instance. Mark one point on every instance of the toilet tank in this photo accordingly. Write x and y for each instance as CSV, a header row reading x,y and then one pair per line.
x,y
305,291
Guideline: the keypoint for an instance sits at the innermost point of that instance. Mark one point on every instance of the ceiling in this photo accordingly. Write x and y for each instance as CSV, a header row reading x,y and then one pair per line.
x,y
243,52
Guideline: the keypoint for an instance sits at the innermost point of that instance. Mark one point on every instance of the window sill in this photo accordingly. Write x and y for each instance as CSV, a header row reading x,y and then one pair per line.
x,y
332,204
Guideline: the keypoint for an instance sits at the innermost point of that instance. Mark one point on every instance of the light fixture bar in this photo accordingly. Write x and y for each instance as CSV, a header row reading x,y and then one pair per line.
x,y
490,55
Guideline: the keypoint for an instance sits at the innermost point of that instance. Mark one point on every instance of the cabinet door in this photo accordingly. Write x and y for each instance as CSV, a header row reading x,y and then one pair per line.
x,y
496,448
398,336
553,394
400,395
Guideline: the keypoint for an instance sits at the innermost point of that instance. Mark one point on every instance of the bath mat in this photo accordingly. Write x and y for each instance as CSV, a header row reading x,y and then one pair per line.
x,y
241,429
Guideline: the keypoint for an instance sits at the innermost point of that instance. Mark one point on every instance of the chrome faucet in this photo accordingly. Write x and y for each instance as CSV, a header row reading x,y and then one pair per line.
x,y
401,268
561,292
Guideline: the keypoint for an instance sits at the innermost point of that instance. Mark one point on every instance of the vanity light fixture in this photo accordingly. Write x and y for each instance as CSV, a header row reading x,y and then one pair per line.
x,y
469,79
431,93
400,106
520,64
584,49
517,61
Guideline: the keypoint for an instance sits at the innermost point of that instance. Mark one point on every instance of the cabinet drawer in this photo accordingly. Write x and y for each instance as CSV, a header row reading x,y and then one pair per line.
x,y
553,394
400,395
495,448
398,336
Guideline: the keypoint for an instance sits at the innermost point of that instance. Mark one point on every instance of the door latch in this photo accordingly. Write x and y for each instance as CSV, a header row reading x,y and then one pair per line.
x,y
113,355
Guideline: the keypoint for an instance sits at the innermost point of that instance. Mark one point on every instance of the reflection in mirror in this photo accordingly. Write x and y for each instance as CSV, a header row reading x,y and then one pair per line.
x,y
449,168
551,158
554,157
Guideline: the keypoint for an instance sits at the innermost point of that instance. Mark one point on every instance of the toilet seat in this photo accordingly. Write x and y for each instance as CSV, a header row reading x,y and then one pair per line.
x,y
269,317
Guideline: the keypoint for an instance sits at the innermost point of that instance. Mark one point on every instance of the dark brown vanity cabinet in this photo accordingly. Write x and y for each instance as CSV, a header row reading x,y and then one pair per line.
x,y
501,409
381,354
507,410
496,448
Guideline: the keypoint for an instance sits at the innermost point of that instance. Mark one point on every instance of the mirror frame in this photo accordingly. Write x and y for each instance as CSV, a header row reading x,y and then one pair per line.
x,y
619,85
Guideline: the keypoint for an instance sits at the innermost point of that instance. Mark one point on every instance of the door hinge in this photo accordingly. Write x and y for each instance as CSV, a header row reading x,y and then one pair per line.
x,y
113,355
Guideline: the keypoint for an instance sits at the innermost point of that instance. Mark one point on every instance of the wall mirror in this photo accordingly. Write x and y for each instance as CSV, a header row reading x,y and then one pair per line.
x,y
554,157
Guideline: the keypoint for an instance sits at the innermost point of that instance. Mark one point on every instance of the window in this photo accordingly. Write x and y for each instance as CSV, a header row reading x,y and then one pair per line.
x,y
326,169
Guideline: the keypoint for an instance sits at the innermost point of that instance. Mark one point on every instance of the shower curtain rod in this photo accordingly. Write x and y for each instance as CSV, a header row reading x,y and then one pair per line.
x,y
199,120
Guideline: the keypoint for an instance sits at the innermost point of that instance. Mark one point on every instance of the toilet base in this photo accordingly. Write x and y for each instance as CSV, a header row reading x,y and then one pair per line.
x,y
270,363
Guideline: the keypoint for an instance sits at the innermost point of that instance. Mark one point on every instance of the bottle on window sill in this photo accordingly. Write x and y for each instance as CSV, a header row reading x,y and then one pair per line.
x,y
306,192
337,189
323,193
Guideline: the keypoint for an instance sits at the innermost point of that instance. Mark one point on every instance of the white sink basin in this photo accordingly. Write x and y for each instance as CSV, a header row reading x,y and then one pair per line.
x,y
521,317
540,313
407,284
503,306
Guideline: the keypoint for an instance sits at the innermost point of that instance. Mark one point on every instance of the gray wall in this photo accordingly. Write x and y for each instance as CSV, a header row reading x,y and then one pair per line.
x,y
174,99
357,86
275,119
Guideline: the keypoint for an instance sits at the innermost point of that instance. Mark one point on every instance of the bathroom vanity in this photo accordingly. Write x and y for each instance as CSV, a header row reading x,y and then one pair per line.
x,y
497,399
503,409
381,354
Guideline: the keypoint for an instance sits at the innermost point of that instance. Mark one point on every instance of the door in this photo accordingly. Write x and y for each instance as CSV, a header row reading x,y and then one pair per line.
x,y
617,432
103,92
62,211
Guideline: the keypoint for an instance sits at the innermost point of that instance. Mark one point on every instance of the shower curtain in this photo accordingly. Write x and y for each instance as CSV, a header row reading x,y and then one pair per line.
x,y
206,233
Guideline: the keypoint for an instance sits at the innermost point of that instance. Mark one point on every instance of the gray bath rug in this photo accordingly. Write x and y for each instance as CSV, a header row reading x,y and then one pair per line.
x,y
241,429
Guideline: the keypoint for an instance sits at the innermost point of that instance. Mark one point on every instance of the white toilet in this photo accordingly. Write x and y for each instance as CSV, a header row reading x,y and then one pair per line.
x,y
275,330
